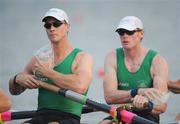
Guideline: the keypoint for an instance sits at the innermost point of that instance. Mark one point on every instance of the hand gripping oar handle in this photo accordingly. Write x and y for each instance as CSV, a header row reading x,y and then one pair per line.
x,y
123,114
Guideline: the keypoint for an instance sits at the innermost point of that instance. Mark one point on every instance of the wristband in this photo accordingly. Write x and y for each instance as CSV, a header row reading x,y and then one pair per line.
x,y
150,106
14,80
134,92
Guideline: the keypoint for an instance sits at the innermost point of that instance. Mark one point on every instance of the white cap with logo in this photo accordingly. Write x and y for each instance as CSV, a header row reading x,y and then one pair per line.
x,y
130,23
57,14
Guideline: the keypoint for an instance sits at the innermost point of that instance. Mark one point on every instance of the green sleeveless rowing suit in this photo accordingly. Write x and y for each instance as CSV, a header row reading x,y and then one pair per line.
x,y
48,99
141,78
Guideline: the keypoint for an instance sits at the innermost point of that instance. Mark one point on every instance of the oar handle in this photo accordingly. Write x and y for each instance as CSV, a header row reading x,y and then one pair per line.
x,y
141,120
12,115
49,87
87,109
84,100
125,115
8,115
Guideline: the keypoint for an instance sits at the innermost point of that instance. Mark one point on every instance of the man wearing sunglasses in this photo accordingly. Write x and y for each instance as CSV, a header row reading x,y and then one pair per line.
x,y
135,74
71,69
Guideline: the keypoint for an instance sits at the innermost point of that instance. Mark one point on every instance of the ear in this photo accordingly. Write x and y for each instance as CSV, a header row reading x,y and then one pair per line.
x,y
68,27
141,34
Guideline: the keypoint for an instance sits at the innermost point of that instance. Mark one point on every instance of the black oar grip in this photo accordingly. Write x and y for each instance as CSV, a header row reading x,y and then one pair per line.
x,y
8,116
98,106
140,120
23,114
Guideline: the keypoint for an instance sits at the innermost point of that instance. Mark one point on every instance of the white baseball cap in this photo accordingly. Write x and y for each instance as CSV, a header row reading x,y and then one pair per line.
x,y
130,23
57,14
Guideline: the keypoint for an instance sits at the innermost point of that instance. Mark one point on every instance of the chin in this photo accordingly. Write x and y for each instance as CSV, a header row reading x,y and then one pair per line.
x,y
53,40
127,47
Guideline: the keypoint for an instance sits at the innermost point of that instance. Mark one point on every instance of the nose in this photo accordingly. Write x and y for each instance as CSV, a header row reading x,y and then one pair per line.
x,y
125,34
52,28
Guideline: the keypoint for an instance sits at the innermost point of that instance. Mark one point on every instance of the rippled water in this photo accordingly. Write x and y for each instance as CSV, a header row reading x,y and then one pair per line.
x,y
92,28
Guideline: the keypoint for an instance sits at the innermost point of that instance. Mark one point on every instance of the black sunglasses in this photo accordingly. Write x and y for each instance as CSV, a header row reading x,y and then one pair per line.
x,y
55,24
121,32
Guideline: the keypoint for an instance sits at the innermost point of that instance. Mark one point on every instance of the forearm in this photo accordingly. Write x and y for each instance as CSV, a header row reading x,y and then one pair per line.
x,y
117,97
15,89
70,81
144,91
141,91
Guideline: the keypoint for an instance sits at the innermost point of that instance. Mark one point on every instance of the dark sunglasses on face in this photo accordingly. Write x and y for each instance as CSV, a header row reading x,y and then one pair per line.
x,y
55,24
121,32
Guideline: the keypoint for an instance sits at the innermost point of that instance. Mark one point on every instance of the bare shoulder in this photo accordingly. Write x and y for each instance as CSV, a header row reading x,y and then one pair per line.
x,y
83,59
159,62
111,54
111,58
83,55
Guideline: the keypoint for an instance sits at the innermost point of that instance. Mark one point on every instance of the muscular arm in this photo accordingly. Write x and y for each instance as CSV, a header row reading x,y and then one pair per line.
x,y
159,73
79,80
24,80
5,103
111,92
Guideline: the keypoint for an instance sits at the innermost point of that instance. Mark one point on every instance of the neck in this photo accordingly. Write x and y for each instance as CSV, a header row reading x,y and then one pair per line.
x,y
134,58
61,49
136,52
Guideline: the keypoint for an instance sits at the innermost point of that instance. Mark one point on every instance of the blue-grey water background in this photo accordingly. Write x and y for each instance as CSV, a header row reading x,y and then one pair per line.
x,y
93,24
